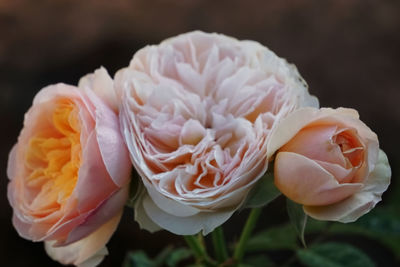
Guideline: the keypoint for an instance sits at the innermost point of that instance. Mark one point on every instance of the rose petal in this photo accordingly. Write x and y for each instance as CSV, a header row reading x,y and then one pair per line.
x,y
11,164
189,225
360,203
142,218
82,251
306,182
104,212
93,174
287,128
112,147
102,85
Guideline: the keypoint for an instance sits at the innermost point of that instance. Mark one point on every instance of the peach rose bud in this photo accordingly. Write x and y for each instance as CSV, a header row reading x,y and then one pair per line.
x,y
196,113
330,162
69,172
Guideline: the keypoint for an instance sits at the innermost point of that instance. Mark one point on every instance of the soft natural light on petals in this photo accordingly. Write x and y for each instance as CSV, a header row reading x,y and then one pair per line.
x,y
69,171
330,162
196,113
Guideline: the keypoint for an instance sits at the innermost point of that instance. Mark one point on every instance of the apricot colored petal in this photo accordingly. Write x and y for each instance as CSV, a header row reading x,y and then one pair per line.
x,y
341,174
48,93
316,143
87,252
189,225
360,203
288,127
306,182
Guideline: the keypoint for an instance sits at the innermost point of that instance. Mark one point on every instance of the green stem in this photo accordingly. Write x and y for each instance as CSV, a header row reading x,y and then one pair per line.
x,y
196,245
247,230
218,240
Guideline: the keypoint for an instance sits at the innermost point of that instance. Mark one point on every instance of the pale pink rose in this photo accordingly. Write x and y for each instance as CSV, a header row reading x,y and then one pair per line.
x,y
196,113
69,172
330,162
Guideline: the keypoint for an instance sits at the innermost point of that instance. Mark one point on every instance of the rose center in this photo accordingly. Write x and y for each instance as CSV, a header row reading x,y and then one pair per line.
x,y
54,157
351,146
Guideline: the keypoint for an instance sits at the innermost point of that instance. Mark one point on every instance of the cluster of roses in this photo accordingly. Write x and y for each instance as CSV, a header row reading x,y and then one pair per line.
x,y
200,117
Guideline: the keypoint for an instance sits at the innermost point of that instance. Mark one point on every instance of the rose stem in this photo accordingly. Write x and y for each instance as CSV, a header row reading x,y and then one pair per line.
x,y
248,228
197,247
218,240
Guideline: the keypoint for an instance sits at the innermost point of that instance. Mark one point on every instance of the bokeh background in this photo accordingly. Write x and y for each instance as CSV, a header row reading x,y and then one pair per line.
x,y
347,50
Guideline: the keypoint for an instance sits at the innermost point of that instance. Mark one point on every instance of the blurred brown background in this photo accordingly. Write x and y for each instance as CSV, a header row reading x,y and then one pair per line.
x,y
347,50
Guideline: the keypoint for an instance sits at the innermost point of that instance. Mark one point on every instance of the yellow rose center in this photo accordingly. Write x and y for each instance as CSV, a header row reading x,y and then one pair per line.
x,y
54,156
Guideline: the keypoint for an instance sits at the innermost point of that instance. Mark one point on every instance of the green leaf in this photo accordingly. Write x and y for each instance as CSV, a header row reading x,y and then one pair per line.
x,y
263,192
298,218
162,256
138,259
177,256
381,224
381,221
274,238
334,255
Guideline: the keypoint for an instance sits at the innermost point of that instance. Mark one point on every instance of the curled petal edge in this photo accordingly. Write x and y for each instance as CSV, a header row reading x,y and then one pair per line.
x,y
147,211
350,209
87,252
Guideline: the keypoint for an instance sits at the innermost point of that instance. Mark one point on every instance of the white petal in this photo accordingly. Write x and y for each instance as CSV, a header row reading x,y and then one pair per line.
x,y
189,225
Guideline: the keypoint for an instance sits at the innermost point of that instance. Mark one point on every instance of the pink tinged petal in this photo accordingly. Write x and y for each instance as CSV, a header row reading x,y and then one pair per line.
x,y
191,78
316,143
52,91
306,182
93,174
22,227
192,132
88,251
102,85
360,203
287,128
113,150
188,225
108,209
11,164
342,175
169,205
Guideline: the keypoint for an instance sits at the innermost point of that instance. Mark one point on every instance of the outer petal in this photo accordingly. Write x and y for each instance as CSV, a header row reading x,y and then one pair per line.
x,y
360,203
93,174
11,168
287,128
203,221
104,212
87,252
305,181
102,84
142,218
111,144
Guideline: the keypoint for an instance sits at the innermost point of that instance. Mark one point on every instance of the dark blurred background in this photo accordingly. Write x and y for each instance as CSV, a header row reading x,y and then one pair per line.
x,y
347,50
